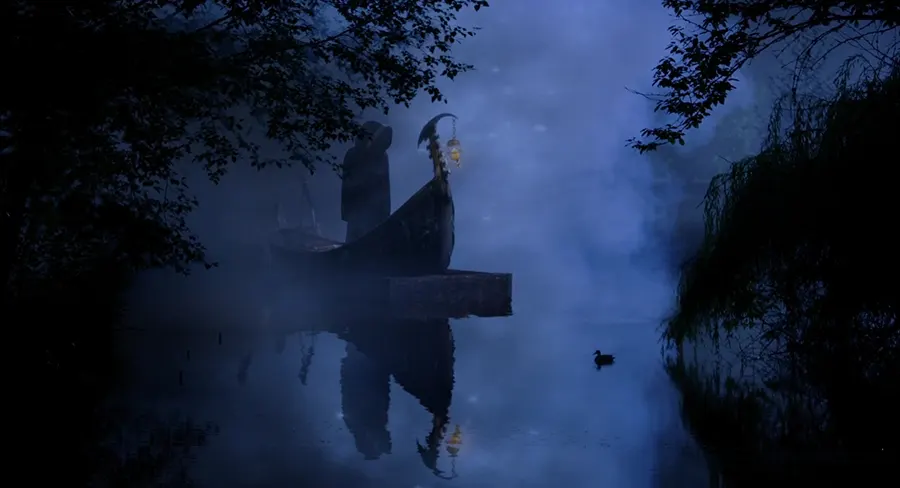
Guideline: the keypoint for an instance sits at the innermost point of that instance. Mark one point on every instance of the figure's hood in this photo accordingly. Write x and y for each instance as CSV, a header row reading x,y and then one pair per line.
x,y
380,138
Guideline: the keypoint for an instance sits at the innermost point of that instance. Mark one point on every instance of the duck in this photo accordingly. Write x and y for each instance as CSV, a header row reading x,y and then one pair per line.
x,y
601,359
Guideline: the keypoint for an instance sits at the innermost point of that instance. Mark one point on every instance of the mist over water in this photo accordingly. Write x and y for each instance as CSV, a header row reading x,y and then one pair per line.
x,y
547,191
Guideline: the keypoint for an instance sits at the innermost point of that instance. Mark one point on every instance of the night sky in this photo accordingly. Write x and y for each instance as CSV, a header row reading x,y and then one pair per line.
x,y
549,191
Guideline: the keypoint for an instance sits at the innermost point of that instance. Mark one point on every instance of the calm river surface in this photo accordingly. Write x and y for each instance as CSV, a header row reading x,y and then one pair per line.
x,y
527,407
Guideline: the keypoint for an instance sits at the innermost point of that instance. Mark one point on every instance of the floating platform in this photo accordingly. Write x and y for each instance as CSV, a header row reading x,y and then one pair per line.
x,y
452,294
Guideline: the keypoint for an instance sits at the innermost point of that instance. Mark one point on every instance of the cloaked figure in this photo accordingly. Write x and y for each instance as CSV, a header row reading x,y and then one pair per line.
x,y
366,188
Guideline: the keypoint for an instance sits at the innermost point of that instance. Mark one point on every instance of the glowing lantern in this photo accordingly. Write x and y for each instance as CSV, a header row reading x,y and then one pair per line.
x,y
454,148
454,151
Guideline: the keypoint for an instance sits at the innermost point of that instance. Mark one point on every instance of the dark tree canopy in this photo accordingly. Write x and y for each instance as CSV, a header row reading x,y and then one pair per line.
x,y
796,277
102,98
802,231
713,39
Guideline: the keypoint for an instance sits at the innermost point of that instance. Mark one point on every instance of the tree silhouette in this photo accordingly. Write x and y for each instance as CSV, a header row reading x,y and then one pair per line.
x,y
797,263
713,39
101,99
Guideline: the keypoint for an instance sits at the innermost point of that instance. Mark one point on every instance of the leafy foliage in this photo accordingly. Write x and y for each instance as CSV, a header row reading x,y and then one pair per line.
x,y
800,248
103,98
795,273
713,39
779,224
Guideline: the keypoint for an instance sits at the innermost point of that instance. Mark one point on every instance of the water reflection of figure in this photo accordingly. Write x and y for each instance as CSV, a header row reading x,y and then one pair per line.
x,y
418,353
365,401
420,356
366,187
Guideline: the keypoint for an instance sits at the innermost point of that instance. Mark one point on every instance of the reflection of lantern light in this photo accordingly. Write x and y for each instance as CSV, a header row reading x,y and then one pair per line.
x,y
454,150
454,443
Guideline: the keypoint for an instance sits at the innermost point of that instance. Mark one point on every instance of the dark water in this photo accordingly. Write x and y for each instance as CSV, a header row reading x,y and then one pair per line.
x,y
510,401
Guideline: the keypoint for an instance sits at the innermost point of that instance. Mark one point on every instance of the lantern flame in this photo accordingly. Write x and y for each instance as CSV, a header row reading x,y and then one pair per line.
x,y
454,151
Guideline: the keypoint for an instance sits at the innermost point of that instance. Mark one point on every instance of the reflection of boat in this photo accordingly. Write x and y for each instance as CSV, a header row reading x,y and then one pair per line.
x,y
417,239
416,349
419,354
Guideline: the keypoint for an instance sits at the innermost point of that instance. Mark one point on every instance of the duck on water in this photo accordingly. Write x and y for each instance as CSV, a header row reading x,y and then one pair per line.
x,y
601,359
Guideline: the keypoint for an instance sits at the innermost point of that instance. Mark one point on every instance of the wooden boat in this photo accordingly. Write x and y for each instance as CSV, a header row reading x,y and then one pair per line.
x,y
415,240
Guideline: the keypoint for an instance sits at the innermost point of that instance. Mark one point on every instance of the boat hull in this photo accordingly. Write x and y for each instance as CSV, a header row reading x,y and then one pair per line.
x,y
415,240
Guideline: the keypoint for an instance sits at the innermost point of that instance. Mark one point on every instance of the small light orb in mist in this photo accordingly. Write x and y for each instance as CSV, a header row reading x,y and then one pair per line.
x,y
495,69
539,128
473,399
509,90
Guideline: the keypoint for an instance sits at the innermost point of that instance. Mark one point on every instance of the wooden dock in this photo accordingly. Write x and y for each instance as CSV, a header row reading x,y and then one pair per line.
x,y
454,294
